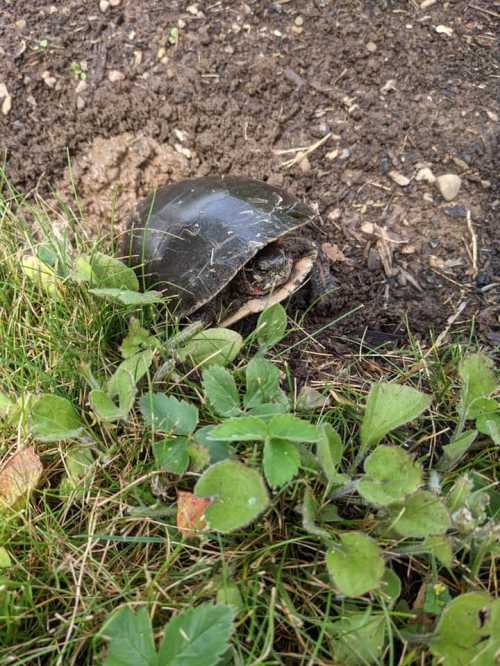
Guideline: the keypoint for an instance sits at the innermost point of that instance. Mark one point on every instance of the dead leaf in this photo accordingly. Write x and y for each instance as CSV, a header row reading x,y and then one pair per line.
x,y
191,513
19,476
333,252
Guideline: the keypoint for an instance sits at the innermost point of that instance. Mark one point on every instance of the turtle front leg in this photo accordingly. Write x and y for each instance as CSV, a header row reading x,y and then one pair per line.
x,y
322,285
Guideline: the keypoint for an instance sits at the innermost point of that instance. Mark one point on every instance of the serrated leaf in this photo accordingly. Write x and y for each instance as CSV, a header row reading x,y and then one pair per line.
x,y
262,383
241,429
440,546
329,450
489,424
238,492
271,325
19,476
130,637
168,415
281,462
479,381
42,276
269,409
221,391
389,406
54,418
390,475
197,637
421,515
358,638
171,454
217,450
456,449
356,564
107,272
214,346
468,631
198,456
286,426
191,513
128,297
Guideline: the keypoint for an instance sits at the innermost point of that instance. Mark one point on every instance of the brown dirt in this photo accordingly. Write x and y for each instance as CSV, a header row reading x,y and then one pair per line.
x,y
245,80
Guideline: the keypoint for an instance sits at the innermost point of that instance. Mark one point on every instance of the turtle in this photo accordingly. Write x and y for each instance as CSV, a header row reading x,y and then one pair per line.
x,y
223,247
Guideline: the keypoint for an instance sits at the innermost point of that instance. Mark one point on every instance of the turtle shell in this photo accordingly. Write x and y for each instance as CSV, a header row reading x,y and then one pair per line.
x,y
190,239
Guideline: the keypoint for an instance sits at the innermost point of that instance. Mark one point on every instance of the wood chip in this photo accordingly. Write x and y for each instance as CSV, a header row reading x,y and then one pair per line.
x,y
444,30
6,105
114,75
333,252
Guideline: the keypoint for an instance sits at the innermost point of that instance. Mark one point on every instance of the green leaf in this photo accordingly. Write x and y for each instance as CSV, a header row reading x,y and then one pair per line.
x,y
262,384
489,424
271,325
390,475
54,418
104,407
217,450
286,426
168,414
422,514
130,637
171,454
358,638
82,270
199,456
221,390
242,429
5,561
309,512
230,595
42,276
238,493
78,462
128,374
281,462
214,346
128,297
391,586
356,564
456,449
197,637
468,631
7,406
479,381
389,406
440,547
329,450
106,272
137,340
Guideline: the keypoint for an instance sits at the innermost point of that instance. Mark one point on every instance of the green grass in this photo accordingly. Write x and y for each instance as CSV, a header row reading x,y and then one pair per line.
x,y
75,561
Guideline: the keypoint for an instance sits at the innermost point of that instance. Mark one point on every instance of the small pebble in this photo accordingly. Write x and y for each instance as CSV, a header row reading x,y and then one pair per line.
x,y
426,175
299,21
333,154
115,75
444,30
371,47
345,154
115,3
449,185
21,24
80,103
103,5
389,86
82,85
6,105
3,90
456,211
385,165
49,80
399,178
434,243
427,3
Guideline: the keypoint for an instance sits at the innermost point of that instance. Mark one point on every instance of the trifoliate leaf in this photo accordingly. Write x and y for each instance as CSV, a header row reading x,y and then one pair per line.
x,y
221,390
281,461
168,415
130,637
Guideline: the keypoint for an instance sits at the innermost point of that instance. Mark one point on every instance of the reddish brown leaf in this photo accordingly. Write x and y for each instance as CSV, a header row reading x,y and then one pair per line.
x,y
191,513
19,476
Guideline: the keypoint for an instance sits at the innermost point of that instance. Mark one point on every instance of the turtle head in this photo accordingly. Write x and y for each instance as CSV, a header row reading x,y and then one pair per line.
x,y
270,268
